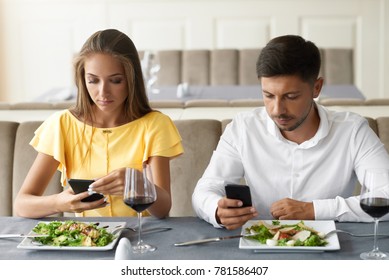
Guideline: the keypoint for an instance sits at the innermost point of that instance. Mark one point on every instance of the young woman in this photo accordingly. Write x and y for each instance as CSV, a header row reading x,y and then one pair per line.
x,y
110,128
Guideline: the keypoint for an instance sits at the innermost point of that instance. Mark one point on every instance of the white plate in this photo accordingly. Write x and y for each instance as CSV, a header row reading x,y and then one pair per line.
x,y
27,243
321,226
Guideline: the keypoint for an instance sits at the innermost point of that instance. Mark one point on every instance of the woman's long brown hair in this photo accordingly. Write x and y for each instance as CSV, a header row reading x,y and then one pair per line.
x,y
121,47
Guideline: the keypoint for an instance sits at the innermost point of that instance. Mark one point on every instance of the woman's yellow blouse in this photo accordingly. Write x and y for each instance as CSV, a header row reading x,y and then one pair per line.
x,y
86,152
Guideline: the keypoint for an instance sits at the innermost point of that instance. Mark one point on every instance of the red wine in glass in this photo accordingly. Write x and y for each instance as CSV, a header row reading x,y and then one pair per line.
x,y
139,204
140,194
376,207
374,200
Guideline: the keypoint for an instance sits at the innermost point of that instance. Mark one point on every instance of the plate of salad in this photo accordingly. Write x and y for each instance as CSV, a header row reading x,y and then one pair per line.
x,y
73,235
289,235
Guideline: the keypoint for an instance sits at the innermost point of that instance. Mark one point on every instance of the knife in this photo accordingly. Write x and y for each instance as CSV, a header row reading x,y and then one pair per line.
x,y
154,230
21,235
214,239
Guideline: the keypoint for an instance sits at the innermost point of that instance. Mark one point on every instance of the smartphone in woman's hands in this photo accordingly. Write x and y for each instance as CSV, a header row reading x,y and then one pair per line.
x,y
81,185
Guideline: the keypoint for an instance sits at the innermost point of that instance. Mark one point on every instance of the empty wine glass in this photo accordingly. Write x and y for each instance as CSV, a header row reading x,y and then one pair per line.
x,y
139,194
374,200
151,67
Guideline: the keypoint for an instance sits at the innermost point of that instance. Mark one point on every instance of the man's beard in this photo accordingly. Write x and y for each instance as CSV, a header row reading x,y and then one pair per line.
x,y
297,124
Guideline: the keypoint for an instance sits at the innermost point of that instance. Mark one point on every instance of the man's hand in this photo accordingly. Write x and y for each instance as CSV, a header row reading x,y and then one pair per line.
x,y
290,209
231,216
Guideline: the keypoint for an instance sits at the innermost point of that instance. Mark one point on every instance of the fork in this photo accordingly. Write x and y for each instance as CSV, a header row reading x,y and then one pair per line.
x,y
148,230
119,228
353,234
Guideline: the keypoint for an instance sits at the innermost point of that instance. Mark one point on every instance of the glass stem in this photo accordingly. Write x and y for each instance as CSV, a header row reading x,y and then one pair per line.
x,y
139,228
375,248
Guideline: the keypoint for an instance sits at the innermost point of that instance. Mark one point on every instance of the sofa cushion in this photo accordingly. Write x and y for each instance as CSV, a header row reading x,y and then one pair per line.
x,y
225,123
377,101
224,65
155,104
202,103
24,156
341,102
7,147
199,138
246,102
338,66
383,131
372,124
195,67
5,106
170,72
247,66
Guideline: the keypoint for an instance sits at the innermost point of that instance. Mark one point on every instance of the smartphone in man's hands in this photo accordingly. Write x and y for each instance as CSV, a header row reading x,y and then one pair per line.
x,y
240,192
80,185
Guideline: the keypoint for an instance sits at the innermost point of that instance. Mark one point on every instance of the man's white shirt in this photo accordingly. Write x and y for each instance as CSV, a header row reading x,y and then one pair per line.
x,y
323,169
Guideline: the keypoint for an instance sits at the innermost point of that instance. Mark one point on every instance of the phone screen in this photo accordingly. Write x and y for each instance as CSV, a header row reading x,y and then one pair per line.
x,y
241,192
80,185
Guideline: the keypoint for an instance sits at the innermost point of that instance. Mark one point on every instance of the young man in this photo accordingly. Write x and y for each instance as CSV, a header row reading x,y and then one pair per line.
x,y
300,160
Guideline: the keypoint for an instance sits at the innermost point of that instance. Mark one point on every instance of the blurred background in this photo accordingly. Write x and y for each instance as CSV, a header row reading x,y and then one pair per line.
x,y
38,38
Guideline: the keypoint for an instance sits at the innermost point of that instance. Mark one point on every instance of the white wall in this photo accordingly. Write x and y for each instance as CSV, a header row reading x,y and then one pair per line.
x,y
2,51
41,36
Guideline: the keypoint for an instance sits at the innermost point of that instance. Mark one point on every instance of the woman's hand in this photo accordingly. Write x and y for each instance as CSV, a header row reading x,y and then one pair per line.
x,y
112,184
68,201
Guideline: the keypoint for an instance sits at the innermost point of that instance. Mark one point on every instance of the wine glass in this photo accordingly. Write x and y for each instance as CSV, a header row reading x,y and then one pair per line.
x,y
139,194
151,66
374,200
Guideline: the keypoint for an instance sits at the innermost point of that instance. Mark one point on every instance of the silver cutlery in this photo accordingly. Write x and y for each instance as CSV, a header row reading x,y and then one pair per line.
x,y
147,230
21,235
353,234
207,240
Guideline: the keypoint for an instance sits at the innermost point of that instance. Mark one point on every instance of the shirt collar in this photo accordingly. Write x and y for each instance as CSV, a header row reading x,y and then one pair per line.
x,y
321,133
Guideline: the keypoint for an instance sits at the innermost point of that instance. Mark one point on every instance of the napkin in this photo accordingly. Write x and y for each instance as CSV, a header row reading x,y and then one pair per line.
x,y
123,250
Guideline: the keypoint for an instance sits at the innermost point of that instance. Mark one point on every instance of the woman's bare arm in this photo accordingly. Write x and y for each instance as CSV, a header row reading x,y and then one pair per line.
x,y
31,203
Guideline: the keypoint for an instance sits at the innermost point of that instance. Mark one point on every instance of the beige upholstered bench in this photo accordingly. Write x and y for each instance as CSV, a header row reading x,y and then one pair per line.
x,y
200,138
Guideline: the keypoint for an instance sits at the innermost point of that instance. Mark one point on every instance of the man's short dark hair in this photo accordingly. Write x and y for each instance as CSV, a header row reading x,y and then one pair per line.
x,y
289,55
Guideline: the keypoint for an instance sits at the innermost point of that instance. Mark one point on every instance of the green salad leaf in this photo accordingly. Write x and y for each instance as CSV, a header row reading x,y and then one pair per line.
x,y
73,233
261,233
285,234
